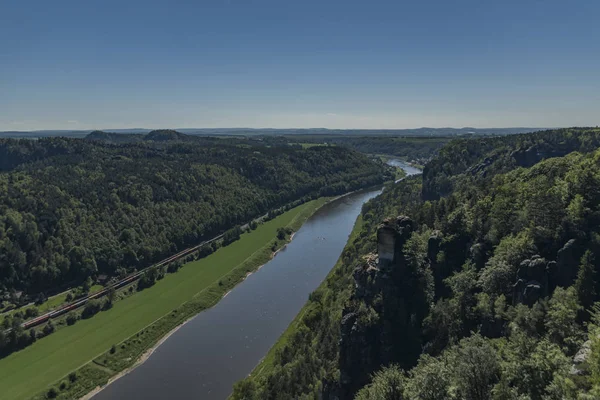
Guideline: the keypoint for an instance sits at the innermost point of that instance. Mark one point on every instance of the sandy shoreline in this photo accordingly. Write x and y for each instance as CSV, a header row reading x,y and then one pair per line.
x,y
142,359
146,355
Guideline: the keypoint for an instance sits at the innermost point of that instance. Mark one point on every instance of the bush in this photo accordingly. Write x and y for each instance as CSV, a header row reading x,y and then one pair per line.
x,y
113,349
281,233
232,235
174,267
148,278
63,385
31,312
40,299
73,376
52,393
49,328
71,318
92,308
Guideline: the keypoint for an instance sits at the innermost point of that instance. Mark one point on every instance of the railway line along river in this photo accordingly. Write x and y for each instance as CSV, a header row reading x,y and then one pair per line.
x,y
222,345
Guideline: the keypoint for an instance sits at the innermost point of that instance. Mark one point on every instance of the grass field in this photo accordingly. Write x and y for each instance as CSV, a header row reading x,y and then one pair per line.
x,y
197,285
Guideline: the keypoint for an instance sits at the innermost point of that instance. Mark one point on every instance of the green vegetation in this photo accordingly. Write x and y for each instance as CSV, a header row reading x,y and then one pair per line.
x,y
419,149
136,323
72,209
493,289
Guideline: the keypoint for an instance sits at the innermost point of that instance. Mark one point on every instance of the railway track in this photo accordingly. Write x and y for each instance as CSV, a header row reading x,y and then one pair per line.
x,y
117,285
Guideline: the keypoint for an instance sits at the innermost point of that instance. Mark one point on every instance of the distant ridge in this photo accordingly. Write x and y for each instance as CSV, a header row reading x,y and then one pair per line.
x,y
162,134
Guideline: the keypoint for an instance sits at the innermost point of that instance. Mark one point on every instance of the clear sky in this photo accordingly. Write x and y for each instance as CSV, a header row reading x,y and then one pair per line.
x,y
90,64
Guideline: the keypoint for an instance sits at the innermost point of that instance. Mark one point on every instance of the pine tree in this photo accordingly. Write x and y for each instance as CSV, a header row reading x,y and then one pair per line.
x,y
586,283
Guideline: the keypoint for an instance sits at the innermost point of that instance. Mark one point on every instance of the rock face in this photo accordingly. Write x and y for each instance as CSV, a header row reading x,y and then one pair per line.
x,y
537,277
580,365
534,154
532,281
391,236
381,323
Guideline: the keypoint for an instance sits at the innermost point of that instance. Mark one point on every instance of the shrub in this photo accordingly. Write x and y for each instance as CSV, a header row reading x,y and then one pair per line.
x,y
73,376
91,308
71,318
49,328
52,393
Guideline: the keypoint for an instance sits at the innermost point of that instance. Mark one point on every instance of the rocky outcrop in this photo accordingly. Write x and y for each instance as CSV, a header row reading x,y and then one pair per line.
x,y
391,236
381,324
580,361
532,281
529,157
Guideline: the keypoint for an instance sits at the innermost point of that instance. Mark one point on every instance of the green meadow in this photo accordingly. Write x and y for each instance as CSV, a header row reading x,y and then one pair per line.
x,y
136,323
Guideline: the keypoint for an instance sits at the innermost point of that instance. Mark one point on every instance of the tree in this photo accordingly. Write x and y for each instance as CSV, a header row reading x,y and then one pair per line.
x,y
40,299
387,384
48,328
429,380
280,233
475,368
148,278
92,307
561,319
585,285
52,393
71,318
110,297
87,285
32,336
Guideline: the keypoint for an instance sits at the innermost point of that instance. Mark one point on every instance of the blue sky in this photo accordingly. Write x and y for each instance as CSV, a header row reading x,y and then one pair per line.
x,y
311,63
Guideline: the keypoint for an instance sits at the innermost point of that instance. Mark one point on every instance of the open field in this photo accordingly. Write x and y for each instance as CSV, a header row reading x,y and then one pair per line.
x,y
196,286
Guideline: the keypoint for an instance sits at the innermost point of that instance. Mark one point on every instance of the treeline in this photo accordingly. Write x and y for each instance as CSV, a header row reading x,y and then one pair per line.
x,y
491,294
72,209
412,148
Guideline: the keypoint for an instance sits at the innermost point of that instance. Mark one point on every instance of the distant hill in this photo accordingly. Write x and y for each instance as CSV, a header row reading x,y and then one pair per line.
x,y
163,135
113,137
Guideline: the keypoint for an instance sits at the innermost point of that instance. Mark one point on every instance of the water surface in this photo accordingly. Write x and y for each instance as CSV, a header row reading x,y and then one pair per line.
x,y
222,345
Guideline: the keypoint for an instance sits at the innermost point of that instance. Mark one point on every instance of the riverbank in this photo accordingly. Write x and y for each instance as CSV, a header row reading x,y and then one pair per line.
x,y
136,324
146,355
267,364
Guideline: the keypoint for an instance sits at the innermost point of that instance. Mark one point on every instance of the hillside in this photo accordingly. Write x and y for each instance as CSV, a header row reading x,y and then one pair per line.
x,y
72,209
484,288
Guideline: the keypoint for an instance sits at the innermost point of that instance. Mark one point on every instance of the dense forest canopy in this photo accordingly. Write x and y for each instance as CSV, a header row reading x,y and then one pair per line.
x,y
75,208
490,293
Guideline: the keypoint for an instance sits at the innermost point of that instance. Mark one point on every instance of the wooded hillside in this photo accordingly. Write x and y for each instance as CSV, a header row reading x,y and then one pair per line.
x,y
75,208
490,294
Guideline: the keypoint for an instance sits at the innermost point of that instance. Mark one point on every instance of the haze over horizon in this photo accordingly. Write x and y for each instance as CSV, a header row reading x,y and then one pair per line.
x,y
352,64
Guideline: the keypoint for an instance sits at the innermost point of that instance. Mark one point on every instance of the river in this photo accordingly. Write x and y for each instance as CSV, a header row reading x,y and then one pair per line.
x,y
222,345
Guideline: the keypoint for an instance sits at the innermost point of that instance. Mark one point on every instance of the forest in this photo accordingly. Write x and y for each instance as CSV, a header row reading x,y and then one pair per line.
x,y
73,209
491,294
411,148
